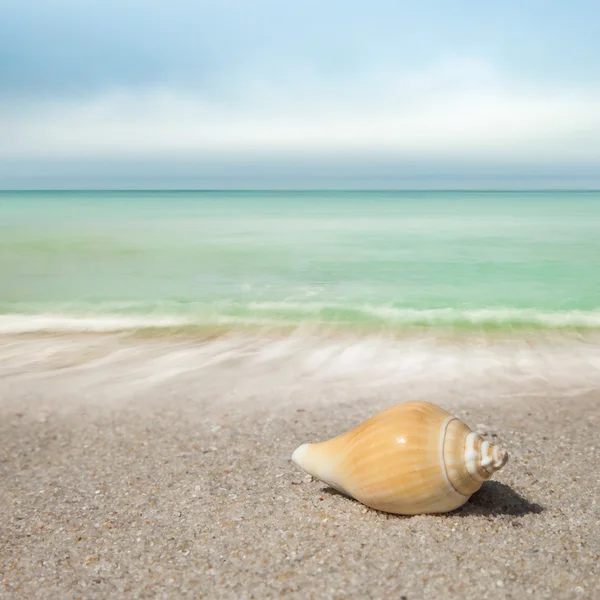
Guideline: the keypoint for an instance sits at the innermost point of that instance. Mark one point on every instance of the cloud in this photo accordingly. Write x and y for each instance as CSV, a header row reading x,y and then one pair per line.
x,y
454,110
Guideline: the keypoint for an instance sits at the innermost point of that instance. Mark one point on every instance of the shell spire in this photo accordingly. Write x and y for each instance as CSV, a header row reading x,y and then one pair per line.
x,y
411,458
481,455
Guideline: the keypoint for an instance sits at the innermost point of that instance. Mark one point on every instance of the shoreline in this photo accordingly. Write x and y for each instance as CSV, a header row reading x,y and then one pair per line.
x,y
44,326
446,322
251,372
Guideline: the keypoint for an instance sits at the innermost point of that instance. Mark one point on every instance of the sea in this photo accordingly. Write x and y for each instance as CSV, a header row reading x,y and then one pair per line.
x,y
413,293
360,262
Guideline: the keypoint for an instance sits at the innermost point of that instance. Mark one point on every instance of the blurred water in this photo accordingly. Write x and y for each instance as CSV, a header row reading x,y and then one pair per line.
x,y
371,260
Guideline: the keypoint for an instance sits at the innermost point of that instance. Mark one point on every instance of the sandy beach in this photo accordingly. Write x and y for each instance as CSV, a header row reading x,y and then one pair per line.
x,y
161,468
231,230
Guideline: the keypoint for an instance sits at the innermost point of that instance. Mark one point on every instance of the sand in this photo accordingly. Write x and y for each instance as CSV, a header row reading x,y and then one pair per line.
x,y
132,468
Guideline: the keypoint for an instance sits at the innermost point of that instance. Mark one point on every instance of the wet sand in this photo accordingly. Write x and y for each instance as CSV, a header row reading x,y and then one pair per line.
x,y
162,469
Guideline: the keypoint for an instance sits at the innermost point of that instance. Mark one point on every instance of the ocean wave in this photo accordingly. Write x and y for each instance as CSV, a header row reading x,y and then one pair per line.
x,y
435,316
20,323
292,315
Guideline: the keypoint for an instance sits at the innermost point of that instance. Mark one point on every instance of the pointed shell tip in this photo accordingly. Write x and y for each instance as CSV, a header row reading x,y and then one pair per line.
x,y
298,455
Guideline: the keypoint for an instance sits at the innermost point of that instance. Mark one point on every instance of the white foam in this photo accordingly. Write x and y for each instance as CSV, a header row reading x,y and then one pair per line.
x,y
434,316
272,314
60,323
256,368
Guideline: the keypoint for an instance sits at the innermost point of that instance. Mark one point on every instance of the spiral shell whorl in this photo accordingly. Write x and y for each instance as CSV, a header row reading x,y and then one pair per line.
x,y
482,458
469,460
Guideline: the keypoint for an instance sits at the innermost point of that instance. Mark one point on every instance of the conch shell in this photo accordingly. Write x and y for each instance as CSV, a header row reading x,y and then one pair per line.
x,y
412,458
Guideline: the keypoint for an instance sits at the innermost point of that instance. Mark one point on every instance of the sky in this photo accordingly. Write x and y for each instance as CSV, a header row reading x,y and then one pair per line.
x,y
268,93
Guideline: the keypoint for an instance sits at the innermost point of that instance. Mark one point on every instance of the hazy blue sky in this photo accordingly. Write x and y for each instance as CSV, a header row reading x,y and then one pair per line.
x,y
380,93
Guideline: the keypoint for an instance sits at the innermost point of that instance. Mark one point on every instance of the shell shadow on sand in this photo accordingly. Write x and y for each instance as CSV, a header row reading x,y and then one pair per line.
x,y
494,498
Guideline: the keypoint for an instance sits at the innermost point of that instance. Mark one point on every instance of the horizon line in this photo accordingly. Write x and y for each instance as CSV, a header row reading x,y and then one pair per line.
x,y
303,190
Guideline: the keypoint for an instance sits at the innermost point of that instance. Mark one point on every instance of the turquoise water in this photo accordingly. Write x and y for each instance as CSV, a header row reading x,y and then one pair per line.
x,y
375,260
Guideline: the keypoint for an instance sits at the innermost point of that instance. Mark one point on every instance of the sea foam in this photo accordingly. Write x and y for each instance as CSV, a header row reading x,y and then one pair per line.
x,y
293,315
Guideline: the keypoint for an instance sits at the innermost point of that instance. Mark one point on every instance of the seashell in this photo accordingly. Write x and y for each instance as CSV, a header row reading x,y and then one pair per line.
x,y
412,458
